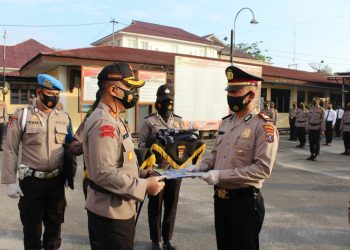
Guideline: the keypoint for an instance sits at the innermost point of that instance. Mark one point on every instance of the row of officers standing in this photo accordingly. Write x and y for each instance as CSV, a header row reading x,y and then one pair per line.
x,y
316,122
241,160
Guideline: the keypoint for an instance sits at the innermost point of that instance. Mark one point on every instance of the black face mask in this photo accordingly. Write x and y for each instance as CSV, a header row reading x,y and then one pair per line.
x,y
129,99
236,103
165,108
49,101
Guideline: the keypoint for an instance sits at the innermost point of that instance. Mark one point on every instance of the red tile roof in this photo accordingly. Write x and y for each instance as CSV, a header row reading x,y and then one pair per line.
x,y
158,30
19,54
108,53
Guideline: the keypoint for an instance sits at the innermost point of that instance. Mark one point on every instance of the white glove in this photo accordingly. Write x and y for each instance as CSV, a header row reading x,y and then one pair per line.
x,y
193,168
211,177
14,191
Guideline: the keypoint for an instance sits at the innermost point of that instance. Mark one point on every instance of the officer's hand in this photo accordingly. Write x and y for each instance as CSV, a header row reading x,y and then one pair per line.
x,y
14,191
193,168
211,177
154,185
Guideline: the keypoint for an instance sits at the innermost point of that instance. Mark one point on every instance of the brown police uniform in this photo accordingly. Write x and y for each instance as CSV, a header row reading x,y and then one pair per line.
x,y
115,186
315,126
3,120
244,152
345,128
292,117
301,118
269,113
170,194
42,184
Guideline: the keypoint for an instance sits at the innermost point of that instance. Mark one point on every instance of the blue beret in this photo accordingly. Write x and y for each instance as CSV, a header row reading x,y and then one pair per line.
x,y
49,82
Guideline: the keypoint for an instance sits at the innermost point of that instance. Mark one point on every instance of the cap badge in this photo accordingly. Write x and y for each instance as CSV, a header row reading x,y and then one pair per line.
x,y
167,91
47,84
229,74
114,75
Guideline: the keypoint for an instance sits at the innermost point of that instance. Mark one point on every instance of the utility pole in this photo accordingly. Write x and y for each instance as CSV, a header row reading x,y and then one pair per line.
x,y
113,21
3,64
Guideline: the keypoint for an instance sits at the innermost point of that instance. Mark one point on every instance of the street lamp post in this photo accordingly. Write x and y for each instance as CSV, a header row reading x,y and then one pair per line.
x,y
233,32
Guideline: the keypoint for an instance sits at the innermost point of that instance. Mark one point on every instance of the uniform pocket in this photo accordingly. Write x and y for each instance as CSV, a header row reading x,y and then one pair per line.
x,y
61,132
33,136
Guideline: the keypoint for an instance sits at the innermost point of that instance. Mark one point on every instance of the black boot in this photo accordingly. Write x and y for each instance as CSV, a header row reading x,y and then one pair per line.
x,y
345,153
168,245
157,246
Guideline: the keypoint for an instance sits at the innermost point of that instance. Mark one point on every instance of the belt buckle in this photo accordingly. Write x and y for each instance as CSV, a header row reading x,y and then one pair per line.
x,y
222,194
49,175
41,175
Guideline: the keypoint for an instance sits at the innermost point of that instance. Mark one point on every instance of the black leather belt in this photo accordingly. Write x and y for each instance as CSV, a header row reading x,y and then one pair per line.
x,y
97,188
229,194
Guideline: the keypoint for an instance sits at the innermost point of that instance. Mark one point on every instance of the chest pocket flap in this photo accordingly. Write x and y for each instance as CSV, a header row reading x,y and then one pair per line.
x,y
33,135
243,143
61,132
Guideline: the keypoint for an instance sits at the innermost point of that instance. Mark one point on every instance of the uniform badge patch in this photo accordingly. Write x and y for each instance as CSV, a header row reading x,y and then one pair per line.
x,y
13,121
269,133
107,131
130,156
246,133
181,151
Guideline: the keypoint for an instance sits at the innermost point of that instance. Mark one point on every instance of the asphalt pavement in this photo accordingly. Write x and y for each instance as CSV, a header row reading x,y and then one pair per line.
x,y
306,207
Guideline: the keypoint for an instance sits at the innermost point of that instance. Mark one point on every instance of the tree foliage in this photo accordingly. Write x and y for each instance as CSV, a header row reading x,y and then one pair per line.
x,y
253,50
321,68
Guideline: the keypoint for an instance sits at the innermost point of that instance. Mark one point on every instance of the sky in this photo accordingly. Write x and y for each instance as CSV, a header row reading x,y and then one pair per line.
x,y
294,33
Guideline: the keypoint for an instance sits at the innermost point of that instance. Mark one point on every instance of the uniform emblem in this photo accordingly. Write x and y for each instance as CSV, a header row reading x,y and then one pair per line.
x,y
130,98
269,133
47,84
36,110
167,91
235,108
107,131
239,152
13,121
130,156
246,133
181,151
229,74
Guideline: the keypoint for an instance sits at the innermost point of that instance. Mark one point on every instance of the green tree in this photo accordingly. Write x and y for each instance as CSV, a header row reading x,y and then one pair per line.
x,y
253,50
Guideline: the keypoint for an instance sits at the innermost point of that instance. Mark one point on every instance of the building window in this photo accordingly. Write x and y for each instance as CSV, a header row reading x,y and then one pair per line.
x,y
20,94
281,98
301,97
174,48
131,43
144,45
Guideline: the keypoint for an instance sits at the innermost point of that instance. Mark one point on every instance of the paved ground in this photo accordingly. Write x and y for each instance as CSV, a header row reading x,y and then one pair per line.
x,y
306,207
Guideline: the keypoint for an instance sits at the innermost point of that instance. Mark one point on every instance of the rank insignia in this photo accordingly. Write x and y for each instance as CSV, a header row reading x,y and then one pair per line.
x,y
181,151
107,131
269,133
246,133
247,118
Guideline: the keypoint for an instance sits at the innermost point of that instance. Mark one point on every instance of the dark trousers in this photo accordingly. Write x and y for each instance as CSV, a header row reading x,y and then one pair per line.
x,y
112,234
170,196
329,131
43,203
238,221
346,138
314,141
1,134
92,238
301,132
292,130
337,127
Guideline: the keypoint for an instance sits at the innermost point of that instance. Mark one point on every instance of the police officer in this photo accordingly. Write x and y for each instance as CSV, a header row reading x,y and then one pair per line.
x,y
291,117
3,121
242,158
112,164
315,126
164,118
42,130
275,113
345,128
268,111
300,124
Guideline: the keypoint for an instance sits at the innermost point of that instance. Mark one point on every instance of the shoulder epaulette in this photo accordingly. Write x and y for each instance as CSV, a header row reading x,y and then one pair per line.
x,y
152,114
265,117
177,116
228,116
